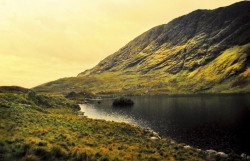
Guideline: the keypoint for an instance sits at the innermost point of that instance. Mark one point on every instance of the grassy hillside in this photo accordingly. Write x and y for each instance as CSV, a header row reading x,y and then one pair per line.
x,y
227,73
32,131
206,51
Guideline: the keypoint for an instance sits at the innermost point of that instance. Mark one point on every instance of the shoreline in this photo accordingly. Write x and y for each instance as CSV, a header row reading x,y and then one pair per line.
x,y
50,130
156,136
174,95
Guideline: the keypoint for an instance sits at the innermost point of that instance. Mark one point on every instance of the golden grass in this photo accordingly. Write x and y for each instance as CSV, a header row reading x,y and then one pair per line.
x,y
58,134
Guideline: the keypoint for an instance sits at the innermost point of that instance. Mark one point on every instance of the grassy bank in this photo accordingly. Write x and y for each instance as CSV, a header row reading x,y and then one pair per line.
x,y
37,127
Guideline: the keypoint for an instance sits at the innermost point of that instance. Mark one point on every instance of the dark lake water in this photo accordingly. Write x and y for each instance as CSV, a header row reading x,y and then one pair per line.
x,y
208,122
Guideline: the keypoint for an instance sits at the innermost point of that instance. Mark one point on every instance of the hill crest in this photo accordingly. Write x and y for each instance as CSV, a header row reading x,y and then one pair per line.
x,y
203,51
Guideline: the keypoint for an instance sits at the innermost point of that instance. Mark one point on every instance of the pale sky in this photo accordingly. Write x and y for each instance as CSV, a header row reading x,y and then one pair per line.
x,y
44,40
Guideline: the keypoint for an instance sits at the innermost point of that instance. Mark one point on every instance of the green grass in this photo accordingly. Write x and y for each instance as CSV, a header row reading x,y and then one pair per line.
x,y
56,133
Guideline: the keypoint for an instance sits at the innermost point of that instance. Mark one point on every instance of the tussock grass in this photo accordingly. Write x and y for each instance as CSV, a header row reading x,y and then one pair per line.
x,y
57,134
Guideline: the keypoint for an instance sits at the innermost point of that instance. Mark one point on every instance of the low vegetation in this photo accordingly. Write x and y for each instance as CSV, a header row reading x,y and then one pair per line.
x,y
21,98
38,127
79,95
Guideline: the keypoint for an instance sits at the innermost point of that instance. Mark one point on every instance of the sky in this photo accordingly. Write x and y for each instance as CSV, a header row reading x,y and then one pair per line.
x,y
44,40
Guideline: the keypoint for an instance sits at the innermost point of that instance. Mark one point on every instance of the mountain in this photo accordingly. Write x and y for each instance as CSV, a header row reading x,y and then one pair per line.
x,y
205,51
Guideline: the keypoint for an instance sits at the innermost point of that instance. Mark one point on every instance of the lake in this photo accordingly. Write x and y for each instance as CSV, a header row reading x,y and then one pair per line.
x,y
221,123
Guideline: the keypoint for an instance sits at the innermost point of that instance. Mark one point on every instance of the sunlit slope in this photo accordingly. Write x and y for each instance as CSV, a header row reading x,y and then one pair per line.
x,y
204,51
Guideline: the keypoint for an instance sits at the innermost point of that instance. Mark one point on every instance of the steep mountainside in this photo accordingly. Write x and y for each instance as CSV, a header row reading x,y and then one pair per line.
x,y
204,51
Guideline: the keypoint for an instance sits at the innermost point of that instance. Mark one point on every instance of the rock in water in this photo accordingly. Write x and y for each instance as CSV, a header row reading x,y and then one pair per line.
x,y
123,102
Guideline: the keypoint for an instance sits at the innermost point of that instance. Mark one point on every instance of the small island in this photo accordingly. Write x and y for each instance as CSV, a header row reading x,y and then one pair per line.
x,y
122,101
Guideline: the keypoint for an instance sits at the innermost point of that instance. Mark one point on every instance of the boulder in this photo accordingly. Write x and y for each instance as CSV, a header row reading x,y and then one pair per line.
x,y
187,147
211,152
152,133
154,138
222,154
243,156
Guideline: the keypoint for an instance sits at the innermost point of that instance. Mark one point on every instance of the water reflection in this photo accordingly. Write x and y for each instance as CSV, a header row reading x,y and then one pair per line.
x,y
116,114
218,122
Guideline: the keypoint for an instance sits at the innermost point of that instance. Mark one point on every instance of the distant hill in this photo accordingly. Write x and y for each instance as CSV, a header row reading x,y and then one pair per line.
x,y
13,89
205,51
